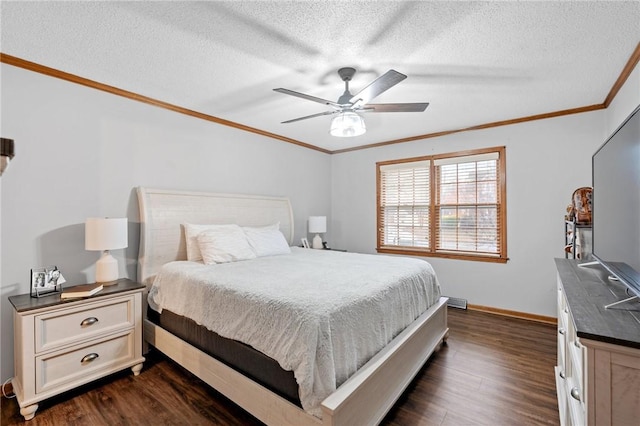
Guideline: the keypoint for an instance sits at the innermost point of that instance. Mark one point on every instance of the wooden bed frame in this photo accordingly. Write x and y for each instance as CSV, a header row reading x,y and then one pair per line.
x,y
364,398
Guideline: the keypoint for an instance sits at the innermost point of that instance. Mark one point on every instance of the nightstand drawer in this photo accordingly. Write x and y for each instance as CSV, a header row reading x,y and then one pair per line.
x,y
79,365
66,326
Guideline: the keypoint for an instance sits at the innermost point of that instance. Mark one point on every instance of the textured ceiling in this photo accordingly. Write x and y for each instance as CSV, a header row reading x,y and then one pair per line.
x,y
475,62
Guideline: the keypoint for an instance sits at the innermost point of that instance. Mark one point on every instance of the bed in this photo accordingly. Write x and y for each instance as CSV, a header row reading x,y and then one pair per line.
x,y
364,398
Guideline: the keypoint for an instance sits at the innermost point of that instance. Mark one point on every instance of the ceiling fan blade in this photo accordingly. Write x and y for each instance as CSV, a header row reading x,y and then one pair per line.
x,y
377,86
412,107
307,97
310,116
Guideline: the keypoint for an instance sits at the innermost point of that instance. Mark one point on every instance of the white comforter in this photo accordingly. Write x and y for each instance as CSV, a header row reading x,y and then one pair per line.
x,y
320,314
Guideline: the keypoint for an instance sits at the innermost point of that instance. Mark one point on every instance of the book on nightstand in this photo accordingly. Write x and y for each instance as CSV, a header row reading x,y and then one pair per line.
x,y
84,290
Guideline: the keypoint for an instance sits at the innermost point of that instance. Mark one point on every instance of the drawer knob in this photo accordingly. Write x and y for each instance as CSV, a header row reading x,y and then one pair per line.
x,y
562,375
88,321
88,358
561,331
575,394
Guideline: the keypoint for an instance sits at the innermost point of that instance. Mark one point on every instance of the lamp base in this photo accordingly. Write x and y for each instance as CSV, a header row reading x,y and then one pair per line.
x,y
317,242
107,269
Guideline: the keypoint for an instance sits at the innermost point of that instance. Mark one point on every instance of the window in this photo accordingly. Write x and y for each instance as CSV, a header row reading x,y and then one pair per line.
x,y
450,205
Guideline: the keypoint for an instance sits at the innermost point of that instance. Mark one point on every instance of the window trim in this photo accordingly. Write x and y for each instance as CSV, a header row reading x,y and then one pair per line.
x,y
432,251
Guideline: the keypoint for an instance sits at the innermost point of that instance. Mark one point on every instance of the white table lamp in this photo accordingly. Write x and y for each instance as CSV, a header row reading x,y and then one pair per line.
x,y
104,234
317,225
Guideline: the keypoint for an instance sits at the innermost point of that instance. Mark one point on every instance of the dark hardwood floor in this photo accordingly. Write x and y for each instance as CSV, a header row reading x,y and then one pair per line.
x,y
493,371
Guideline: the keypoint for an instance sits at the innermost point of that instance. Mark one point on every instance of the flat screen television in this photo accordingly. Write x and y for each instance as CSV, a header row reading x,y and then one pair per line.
x,y
616,203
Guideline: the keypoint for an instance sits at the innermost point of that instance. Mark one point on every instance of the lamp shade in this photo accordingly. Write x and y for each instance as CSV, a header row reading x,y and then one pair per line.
x,y
7,148
317,224
6,153
102,233
347,124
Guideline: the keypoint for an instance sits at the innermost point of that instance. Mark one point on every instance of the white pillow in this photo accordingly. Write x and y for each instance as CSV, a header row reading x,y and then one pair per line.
x,y
267,240
191,232
224,244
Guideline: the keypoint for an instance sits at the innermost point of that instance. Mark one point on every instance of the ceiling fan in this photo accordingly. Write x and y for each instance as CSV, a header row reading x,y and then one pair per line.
x,y
348,122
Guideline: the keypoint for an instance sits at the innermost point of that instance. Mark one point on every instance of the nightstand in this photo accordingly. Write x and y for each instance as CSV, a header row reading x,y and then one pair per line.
x,y
60,344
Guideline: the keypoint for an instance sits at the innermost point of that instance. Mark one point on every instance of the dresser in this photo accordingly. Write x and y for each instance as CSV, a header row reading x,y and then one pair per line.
x,y
598,369
60,344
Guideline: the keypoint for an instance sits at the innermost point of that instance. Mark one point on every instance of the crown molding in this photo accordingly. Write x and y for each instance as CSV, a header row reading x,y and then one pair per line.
x,y
624,75
52,72
478,127
32,66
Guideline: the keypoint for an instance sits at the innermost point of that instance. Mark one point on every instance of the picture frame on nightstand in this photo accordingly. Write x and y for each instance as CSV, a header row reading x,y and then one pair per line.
x,y
46,281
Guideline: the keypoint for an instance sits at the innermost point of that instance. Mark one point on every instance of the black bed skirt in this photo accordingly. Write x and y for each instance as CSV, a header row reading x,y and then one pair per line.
x,y
243,358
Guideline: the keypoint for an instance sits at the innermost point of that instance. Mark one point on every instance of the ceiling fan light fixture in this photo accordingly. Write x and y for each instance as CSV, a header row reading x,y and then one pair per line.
x,y
347,124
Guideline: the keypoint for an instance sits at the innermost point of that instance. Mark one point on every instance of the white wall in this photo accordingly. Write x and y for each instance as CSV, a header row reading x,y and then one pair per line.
x,y
81,152
546,161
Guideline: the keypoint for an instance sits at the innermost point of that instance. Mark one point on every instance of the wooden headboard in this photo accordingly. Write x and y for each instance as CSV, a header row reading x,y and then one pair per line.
x,y
164,212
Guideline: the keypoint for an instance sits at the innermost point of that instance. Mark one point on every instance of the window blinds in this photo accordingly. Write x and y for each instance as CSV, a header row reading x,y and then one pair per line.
x,y
444,205
467,205
405,204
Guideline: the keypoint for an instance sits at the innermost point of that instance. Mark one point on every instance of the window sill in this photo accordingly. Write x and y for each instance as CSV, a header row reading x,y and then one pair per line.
x,y
408,252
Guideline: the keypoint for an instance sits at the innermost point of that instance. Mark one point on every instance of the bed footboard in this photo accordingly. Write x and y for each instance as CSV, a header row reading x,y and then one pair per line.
x,y
363,399
368,395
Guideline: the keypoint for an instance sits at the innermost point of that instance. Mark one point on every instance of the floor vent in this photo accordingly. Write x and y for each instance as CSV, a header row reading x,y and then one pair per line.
x,y
455,302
